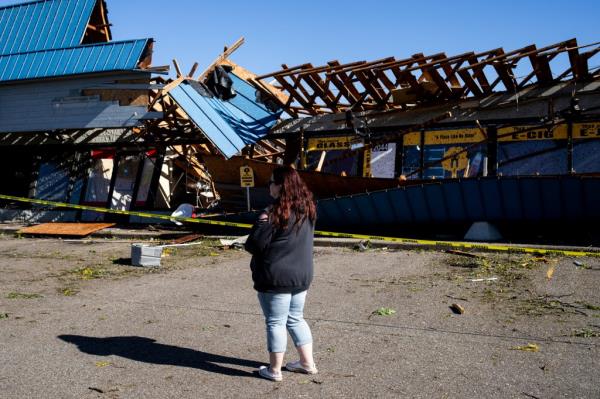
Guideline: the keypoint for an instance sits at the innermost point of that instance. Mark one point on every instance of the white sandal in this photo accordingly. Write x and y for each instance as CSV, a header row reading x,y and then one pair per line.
x,y
266,372
297,367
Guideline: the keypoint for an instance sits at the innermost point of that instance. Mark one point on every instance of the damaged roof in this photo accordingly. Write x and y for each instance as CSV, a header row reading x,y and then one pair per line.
x,y
425,80
229,124
103,57
43,25
51,38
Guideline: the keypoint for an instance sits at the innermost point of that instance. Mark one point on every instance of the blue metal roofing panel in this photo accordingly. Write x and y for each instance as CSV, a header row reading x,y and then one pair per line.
x,y
229,125
104,57
43,25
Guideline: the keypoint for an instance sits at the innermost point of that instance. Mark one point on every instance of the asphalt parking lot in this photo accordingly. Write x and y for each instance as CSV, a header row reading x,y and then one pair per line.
x,y
77,321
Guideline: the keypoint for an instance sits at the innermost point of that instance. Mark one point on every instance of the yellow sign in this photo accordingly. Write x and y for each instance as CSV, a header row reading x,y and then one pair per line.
x,y
586,130
246,176
458,160
329,143
433,137
513,133
526,133
367,163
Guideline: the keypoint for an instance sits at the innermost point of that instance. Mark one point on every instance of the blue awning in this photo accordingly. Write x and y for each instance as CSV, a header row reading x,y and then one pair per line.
x,y
230,125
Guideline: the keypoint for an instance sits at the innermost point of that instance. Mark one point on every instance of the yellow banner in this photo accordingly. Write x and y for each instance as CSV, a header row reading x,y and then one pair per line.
x,y
329,143
527,133
440,137
514,133
586,130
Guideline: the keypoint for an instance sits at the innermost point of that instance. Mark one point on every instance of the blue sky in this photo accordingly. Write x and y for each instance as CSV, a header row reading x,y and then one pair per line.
x,y
295,32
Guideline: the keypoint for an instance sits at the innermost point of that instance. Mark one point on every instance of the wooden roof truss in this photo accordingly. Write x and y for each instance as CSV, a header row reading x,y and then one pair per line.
x,y
380,84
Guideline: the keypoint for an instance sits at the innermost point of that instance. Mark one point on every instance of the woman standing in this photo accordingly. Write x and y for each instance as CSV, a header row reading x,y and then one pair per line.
x,y
281,244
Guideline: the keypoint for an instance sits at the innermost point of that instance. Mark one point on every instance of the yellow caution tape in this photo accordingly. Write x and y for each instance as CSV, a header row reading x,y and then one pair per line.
x,y
55,204
430,243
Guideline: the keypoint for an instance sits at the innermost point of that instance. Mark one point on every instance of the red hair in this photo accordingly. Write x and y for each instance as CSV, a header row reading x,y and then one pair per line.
x,y
294,197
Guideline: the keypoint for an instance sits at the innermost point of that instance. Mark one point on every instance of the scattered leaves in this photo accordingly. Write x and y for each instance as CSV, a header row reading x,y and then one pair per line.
x,y
384,312
527,348
3,316
68,291
586,333
89,273
21,295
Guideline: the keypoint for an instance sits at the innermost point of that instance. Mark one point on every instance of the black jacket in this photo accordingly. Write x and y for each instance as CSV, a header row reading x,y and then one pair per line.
x,y
282,259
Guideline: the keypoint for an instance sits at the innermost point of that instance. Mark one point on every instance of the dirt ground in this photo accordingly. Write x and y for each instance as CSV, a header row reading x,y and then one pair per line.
x,y
76,321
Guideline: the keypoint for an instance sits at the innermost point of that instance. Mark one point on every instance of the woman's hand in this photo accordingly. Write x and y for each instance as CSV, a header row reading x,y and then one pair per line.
x,y
263,217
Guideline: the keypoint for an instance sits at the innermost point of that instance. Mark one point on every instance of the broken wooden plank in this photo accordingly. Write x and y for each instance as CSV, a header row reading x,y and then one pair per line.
x,y
65,229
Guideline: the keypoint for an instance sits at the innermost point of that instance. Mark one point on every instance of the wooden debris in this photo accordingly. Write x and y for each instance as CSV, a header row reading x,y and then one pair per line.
x,y
65,229
187,238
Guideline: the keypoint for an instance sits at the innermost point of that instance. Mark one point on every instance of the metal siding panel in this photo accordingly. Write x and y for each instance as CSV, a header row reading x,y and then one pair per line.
x,y
40,101
591,189
572,198
380,201
511,198
492,200
402,209
416,199
531,199
331,210
454,201
551,202
472,198
350,215
365,207
435,200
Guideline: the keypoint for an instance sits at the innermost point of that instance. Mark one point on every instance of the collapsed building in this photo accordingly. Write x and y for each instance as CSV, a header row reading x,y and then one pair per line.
x,y
506,137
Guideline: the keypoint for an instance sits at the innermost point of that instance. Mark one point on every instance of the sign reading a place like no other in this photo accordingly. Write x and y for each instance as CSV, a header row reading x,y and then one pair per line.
x,y
246,176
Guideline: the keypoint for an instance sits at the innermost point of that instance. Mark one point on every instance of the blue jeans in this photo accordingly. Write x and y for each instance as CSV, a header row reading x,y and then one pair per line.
x,y
281,311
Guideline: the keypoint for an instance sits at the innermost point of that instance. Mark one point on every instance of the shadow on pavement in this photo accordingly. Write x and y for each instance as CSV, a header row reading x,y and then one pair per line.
x,y
147,350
